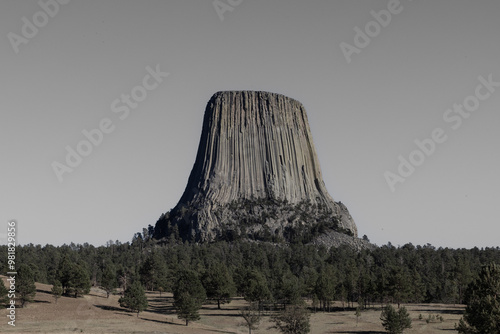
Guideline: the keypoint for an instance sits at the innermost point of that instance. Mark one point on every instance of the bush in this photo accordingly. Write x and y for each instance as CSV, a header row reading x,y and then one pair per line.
x,y
293,320
395,322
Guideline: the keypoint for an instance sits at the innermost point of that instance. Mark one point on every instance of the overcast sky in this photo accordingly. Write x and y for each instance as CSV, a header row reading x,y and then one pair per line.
x,y
371,84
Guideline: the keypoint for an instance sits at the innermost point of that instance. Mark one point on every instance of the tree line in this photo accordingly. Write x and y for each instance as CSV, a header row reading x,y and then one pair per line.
x,y
267,273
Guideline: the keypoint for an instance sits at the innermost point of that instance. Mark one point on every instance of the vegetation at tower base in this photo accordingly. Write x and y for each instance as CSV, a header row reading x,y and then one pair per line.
x,y
482,314
256,176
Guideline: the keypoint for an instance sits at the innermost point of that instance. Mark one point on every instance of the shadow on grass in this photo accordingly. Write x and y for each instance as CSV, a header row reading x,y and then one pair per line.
x,y
339,309
447,311
362,332
163,309
217,331
222,309
100,295
223,315
163,322
41,302
110,308
43,291
151,309
163,299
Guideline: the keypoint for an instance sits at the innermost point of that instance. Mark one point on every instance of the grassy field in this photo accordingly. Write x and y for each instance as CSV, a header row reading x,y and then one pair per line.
x,y
95,313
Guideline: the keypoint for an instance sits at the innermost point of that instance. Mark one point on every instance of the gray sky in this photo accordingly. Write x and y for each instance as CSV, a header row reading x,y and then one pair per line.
x,y
366,108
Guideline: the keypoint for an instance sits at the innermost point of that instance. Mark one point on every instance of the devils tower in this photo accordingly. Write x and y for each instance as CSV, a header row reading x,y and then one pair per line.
x,y
256,176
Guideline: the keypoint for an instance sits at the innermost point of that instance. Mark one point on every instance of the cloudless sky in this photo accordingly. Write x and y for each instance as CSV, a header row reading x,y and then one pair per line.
x,y
363,114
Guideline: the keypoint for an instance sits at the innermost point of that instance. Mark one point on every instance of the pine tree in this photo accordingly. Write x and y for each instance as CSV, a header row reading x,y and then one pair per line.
x,y
3,293
189,296
153,272
25,284
399,285
79,281
395,322
56,290
482,297
187,307
255,288
64,272
325,287
108,281
358,313
308,278
134,298
287,289
124,277
218,284
417,288
463,277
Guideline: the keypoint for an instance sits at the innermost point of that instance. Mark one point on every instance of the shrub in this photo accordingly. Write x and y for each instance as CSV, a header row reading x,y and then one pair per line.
x,y
395,322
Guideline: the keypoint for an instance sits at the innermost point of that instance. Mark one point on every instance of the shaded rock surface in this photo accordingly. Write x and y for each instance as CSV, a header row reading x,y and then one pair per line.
x,y
256,175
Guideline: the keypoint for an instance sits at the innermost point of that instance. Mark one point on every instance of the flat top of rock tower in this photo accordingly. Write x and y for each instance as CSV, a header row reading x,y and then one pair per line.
x,y
260,93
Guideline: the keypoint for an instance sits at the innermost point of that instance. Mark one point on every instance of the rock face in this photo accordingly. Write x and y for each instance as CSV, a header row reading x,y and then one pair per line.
x,y
256,175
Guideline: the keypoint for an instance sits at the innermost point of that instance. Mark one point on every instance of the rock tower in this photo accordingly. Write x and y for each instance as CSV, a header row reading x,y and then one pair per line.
x,y
256,176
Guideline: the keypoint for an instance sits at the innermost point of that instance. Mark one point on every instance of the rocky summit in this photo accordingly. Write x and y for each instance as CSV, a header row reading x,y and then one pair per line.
x,y
256,176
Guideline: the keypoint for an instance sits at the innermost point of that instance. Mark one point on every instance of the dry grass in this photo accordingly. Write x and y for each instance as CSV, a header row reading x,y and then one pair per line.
x,y
97,314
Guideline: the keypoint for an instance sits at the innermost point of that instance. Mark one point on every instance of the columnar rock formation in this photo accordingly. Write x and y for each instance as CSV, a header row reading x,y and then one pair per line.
x,y
256,174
